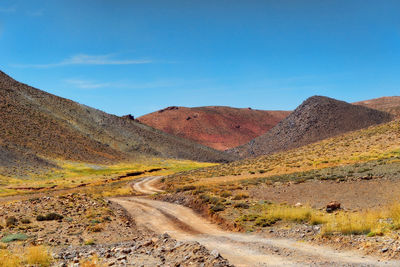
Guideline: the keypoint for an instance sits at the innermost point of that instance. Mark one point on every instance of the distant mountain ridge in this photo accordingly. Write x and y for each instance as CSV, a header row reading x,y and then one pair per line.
x,y
218,127
315,119
37,126
390,104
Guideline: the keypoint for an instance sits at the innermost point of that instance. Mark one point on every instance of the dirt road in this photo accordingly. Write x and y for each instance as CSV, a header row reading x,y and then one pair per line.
x,y
241,249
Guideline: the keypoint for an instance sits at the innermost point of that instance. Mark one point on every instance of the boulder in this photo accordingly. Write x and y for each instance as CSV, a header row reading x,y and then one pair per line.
x,y
332,206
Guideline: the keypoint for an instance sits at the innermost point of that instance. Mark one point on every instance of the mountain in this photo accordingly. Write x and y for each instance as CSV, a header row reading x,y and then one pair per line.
x,y
38,127
315,119
390,104
215,126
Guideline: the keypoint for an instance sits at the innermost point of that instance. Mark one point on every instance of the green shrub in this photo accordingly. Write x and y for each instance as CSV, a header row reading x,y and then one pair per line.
x,y
14,237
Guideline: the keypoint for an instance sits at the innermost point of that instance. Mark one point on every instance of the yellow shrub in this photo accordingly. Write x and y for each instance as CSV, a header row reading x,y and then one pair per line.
x,y
38,256
8,259
288,213
353,223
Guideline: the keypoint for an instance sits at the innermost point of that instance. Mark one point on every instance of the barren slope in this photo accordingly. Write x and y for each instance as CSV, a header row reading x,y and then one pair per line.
x,y
215,126
42,124
315,119
390,104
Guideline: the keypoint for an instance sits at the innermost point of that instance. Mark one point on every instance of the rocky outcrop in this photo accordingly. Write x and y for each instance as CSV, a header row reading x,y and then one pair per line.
x,y
315,119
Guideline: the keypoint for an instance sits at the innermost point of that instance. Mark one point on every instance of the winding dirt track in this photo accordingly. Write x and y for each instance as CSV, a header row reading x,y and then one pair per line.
x,y
240,249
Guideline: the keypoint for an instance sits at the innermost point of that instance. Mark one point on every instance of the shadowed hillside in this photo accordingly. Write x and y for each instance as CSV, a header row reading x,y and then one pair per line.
x,y
315,119
390,104
217,127
43,125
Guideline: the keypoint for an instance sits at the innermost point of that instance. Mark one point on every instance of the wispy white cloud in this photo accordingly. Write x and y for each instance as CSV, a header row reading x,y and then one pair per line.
x,y
92,84
83,59
86,84
9,9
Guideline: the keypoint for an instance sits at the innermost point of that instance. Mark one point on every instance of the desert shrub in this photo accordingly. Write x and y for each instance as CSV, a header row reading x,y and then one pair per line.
x,y
264,222
14,237
49,217
226,194
95,228
217,208
25,221
38,256
240,196
89,242
248,217
241,205
185,188
11,221
205,198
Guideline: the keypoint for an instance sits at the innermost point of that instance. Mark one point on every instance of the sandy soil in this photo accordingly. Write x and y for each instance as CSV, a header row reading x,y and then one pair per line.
x,y
239,248
353,195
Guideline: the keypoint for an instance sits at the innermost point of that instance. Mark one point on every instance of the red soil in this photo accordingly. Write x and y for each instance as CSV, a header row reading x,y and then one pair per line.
x,y
217,126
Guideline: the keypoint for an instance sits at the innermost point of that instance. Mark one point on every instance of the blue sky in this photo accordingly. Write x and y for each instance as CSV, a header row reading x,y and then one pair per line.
x,y
139,56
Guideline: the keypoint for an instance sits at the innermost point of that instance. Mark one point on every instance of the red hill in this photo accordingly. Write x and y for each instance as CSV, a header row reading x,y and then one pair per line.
x,y
215,126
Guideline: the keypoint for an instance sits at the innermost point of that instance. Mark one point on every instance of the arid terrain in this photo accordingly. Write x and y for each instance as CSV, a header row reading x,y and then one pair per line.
x,y
37,128
390,104
219,127
315,119
80,187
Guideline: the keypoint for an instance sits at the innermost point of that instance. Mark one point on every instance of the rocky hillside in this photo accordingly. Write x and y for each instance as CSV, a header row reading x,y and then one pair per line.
x,y
390,104
37,126
215,126
315,119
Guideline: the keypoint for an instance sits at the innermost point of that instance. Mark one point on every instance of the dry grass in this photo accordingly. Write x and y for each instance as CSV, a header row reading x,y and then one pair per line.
x,y
38,256
374,143
9,259
371,222
31,256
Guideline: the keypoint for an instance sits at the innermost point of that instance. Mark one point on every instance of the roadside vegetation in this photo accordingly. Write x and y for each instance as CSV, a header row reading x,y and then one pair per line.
x,y
73,174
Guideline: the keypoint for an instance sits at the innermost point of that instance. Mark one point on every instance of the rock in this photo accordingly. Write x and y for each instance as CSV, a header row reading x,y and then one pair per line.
x,y
165,236
332,206
126,250
384,250
298,204
122,258
128,117
215,253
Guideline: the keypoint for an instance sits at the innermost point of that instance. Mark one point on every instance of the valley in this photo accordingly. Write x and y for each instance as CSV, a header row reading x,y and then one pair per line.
x,y
82,187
